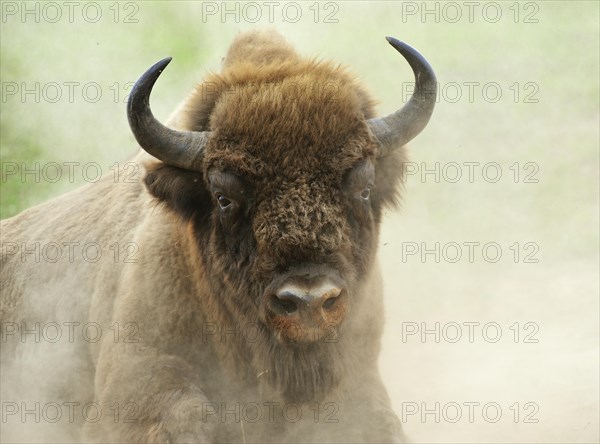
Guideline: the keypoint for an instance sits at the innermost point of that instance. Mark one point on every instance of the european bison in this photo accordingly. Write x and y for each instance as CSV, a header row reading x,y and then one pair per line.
x,y
248,307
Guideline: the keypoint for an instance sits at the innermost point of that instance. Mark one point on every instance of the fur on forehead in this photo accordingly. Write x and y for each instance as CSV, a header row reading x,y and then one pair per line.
x,y
273,112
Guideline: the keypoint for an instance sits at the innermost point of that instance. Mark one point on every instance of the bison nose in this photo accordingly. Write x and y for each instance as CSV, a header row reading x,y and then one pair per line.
x,y
306,307
315,304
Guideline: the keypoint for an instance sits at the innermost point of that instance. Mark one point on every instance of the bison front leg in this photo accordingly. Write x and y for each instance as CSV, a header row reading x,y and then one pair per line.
x,y
159,397
368,408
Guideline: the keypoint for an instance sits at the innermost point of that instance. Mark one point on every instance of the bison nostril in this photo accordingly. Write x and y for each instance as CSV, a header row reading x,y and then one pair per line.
x,y
284,305
330,303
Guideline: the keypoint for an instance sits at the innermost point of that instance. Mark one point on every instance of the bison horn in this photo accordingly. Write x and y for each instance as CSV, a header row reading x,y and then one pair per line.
x,y
178,148
397,129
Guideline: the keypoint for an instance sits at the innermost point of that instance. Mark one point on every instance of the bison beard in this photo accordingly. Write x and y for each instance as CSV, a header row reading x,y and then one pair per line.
x,y
284,366
301,373
259,211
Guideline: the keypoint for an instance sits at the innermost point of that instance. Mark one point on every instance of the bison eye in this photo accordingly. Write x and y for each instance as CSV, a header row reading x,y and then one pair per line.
x,y
223,201
364,194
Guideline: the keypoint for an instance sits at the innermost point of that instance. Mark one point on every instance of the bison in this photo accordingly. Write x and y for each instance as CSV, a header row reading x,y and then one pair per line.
x,y
237,295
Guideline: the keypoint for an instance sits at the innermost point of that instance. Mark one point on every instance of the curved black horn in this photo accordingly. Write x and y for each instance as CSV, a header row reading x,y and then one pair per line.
x,y
397,129
178,148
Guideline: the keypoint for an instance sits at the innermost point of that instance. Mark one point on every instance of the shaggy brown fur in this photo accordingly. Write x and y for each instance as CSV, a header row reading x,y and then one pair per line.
x,y
291,150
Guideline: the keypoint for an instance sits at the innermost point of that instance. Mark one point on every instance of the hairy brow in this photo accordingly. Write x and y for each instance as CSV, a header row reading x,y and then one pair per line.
x,y
360,175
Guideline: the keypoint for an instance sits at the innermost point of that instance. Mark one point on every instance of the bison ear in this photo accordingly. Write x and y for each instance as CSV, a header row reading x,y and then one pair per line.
x,y
389,177
183,191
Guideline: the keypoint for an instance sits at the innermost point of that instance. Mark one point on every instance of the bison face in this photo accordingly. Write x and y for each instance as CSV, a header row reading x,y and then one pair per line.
x,y
281,177
286,256
302,240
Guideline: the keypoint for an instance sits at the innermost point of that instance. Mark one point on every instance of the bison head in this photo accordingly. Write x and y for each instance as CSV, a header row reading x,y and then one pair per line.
x,y
281,176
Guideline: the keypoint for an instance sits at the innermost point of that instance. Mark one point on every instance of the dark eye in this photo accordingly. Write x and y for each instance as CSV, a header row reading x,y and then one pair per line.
x,y
364,194
223,201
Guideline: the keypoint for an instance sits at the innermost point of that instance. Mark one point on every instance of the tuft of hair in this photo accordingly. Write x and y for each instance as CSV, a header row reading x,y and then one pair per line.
x,y
264,57
259,47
